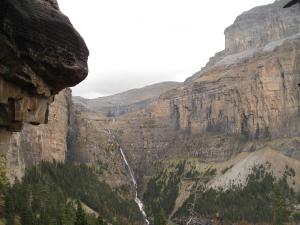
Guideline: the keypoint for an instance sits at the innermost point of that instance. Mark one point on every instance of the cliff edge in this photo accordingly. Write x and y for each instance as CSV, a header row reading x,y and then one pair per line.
x,y
41,53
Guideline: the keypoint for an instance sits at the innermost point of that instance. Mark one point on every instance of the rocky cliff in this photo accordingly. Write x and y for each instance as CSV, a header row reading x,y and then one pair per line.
x,y
256,28
41,53
246,98
240,111
46,142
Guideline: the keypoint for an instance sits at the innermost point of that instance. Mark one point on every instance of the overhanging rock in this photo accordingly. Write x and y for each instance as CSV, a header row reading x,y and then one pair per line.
x,y
40,54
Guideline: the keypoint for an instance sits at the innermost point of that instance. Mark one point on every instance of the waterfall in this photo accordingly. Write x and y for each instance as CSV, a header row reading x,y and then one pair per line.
x,y
136,199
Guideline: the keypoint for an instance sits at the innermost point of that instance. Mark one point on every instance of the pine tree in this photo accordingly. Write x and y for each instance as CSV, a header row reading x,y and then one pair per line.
x,y
100,221
9,211
160,218
280,214
80,215
4,184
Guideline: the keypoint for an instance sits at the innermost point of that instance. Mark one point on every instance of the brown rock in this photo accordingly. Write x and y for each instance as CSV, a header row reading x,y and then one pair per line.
x,y
245,99
46,142
41,53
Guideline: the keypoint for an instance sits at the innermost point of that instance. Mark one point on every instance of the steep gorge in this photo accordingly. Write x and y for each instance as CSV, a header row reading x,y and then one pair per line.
x,y
239,111
245,101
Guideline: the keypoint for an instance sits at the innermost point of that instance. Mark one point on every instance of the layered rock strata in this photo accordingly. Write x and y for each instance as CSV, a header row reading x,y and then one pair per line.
x,y
256,28
245,99
46,142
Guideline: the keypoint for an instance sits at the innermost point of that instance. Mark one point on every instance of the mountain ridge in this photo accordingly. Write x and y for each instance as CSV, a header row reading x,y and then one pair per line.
x,y
131,100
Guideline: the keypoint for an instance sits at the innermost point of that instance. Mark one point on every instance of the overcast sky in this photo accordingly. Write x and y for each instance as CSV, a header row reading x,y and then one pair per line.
x,y
134,43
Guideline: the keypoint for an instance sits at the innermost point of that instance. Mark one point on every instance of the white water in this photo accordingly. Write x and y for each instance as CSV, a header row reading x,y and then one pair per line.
x,y
136,199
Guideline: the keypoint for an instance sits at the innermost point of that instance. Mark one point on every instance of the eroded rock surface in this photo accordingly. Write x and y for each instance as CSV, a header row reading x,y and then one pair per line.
x,y
46,142
261,25
256,28
41,53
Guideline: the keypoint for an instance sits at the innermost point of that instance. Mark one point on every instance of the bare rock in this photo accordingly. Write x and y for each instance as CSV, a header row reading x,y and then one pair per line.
x,y
255,29
248,96
43,39
41,53
261,25
46,142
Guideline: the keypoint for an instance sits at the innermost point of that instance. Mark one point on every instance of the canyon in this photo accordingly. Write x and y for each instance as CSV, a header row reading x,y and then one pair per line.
x,y
240,111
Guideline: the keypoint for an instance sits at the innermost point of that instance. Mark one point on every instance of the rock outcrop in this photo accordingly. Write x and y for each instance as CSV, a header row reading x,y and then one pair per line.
x,y
255,96
41,53
260,26
255,29
46,142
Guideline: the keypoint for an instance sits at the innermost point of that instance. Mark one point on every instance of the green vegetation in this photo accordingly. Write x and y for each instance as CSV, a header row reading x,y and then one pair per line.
x,y
296,217
262,199
162,191
100,221
280,213
80,215
4,185
192,174
210,172
160,218
47,193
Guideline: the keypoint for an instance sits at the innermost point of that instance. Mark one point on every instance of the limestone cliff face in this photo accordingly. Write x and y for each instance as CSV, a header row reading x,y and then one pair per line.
x,y
255,29
256,96
46,142
41,53
261,25
245,99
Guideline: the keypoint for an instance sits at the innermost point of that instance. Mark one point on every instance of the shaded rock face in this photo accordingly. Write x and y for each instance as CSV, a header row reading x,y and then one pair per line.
x,y
46,142
41,53
45,41
89,142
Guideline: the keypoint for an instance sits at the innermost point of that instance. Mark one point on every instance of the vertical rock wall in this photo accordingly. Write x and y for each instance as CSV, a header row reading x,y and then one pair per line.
x,y
40,143
40,54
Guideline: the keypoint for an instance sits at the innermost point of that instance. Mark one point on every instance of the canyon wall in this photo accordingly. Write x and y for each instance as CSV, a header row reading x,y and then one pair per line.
x,y
256,28
246,98
255,96
46,142
260,26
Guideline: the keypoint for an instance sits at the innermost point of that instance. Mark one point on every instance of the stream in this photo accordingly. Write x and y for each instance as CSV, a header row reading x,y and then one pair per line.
x,y
136,199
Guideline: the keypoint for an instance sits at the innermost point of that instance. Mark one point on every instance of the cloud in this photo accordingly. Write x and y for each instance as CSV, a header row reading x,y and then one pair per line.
x,y
133,43
110,83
